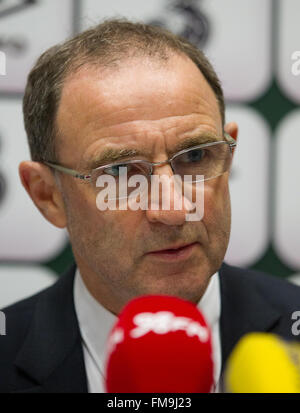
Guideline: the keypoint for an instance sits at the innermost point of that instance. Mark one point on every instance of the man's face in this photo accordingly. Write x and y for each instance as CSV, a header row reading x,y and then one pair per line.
x,y
152,107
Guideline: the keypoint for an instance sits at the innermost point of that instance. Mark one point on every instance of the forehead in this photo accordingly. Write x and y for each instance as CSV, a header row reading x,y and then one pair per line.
x,y
98,103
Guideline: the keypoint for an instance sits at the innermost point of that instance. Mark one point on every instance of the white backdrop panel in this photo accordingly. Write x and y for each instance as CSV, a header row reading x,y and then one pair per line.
x,y
28,31
25,234
18,282
238,42
287,214
249,186
289,42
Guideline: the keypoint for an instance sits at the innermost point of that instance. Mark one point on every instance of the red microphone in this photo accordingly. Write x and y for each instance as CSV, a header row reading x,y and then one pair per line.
x,y
160,344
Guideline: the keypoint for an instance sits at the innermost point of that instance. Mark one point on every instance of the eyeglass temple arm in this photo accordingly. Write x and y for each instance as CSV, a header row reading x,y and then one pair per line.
x,y
230,140
68,171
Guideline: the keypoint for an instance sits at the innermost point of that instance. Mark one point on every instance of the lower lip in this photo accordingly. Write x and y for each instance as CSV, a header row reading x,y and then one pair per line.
x,y
179,254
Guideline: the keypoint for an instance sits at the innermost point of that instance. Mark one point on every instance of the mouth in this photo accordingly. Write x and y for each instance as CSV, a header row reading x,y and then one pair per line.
x,y
177,253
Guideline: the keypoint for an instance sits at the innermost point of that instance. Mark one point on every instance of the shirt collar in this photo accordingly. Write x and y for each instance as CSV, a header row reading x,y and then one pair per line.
x,y
96,322
210,303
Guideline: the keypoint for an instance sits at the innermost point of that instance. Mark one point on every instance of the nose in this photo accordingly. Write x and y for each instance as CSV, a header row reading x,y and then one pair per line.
x,y
167,204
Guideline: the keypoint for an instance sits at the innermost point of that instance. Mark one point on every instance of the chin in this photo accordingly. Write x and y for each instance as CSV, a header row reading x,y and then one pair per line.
x,y
186,288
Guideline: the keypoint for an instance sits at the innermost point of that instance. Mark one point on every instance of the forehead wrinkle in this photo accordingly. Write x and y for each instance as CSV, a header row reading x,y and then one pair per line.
x,y
110,109
107,101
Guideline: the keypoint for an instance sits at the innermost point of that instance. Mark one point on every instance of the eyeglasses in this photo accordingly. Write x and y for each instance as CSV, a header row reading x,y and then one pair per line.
x,y
208,160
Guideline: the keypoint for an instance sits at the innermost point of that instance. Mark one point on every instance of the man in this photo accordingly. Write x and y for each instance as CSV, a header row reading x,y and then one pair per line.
x,y
124,92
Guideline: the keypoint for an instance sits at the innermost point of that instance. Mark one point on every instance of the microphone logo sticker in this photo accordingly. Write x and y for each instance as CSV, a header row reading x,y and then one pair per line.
x,y
164,322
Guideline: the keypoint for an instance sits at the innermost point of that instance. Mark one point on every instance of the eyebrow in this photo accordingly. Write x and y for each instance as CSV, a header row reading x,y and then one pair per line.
x,y
189,142
110,155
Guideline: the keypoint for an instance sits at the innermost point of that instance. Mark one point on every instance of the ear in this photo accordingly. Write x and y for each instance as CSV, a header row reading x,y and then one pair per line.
x,y
232,129
41,186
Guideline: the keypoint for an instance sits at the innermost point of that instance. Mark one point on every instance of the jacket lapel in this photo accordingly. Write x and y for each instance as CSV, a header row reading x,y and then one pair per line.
x,y
52,353
243,309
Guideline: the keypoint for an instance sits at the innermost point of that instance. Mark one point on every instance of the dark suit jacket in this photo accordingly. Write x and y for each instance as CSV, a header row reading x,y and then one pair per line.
x,y
42,349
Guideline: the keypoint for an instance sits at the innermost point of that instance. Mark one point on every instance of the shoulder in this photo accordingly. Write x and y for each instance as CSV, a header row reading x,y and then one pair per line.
x,y
18,318
20,315
278,292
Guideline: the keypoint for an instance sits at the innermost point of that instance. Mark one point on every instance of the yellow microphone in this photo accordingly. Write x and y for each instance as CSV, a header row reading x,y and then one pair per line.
x,y
263,363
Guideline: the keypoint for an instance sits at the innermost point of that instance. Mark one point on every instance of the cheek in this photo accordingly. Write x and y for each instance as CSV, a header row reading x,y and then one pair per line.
x,y
105,229
217,204
121,228
83,218
82,206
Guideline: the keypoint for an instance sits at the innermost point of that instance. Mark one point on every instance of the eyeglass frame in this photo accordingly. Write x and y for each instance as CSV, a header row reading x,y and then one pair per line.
x,y
230,142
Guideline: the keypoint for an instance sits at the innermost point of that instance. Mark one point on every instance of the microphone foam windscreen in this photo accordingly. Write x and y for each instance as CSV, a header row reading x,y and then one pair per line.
x,y
263,363
159,344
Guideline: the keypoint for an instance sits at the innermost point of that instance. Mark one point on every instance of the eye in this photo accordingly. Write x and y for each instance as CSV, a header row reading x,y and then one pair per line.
x,y
129,169
119,169
195,155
